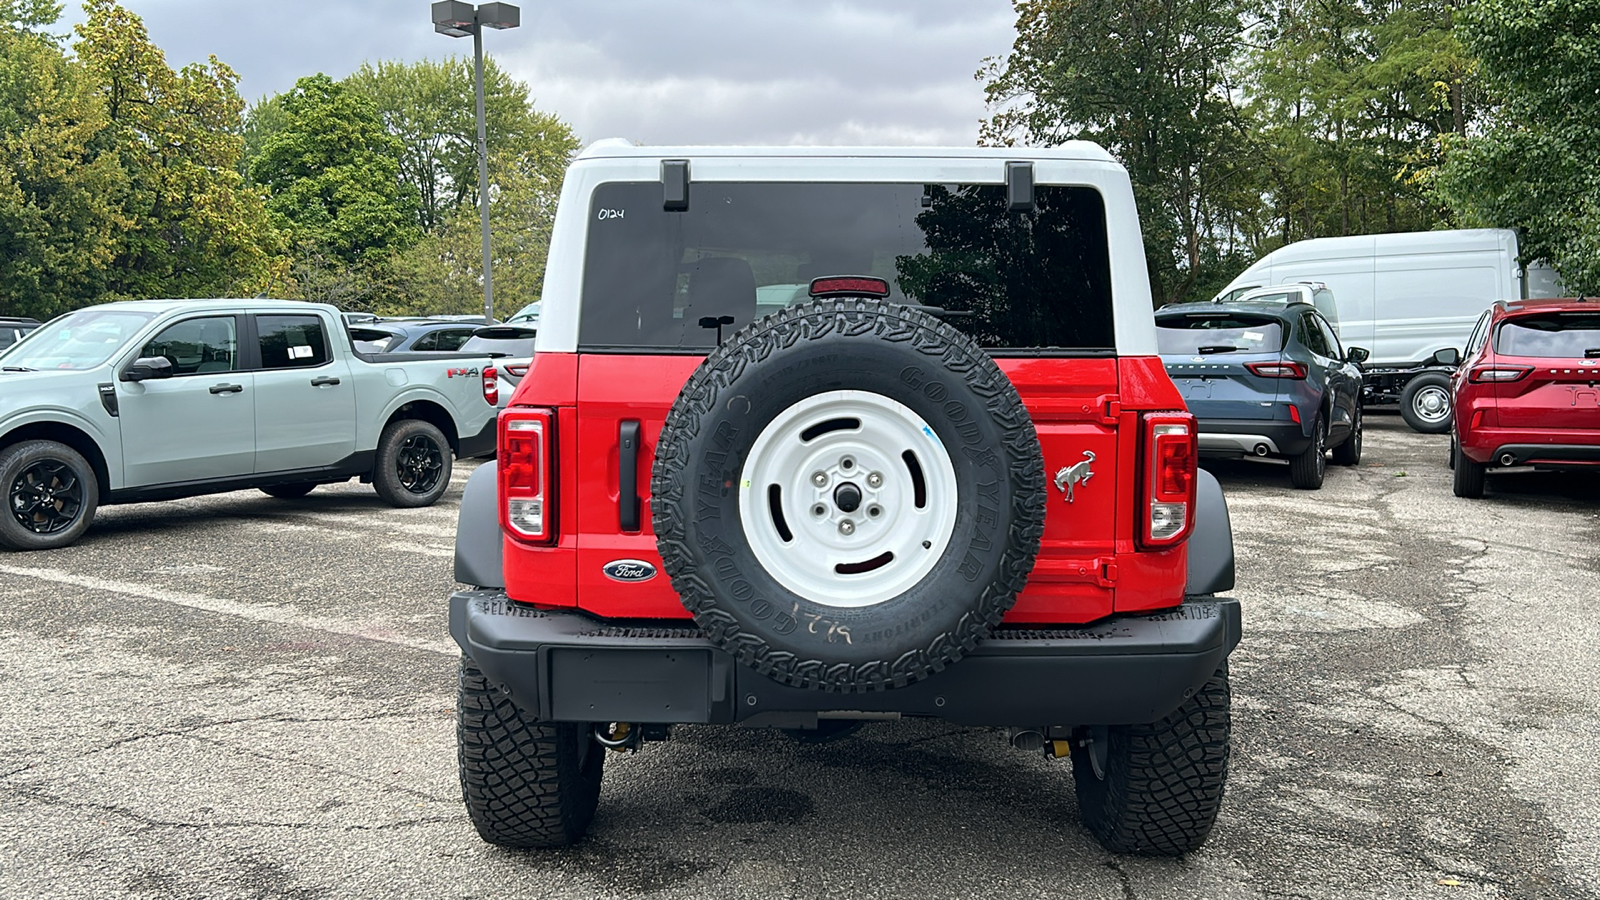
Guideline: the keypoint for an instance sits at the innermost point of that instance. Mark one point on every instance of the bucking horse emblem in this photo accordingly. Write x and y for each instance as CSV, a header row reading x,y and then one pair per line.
x,y
1078,473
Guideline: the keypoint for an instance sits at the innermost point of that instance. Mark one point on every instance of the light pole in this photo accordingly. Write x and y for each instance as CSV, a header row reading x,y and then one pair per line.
x,y
457,19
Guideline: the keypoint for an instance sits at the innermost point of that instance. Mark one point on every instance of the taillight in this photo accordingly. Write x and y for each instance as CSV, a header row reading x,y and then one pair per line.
x,y
1500,373
1171,462
526,476
491,386
1277,369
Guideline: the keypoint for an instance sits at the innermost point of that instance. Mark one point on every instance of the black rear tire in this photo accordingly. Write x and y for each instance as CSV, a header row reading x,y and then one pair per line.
x,y
1419,403
289,491
1163,782
413,466
50,494
527,784
1310,466
1467,479
1349,452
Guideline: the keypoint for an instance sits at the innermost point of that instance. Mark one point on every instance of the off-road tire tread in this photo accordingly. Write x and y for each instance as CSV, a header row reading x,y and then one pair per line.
x,y
1308,469
1164,781
955,353
520,778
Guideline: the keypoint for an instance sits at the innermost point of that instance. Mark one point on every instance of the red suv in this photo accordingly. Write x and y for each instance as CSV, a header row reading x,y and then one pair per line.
x,y
818,436
1528,393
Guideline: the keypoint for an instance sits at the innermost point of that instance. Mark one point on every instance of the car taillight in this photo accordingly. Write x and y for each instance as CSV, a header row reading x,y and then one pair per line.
x,y
1171,462
1277,369
1500,373
491,386
527,478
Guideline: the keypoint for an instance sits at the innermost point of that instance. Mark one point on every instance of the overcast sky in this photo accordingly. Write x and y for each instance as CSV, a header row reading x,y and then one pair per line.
x,y
656,71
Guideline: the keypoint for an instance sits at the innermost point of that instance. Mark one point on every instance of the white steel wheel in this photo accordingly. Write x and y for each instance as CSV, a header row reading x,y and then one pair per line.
x,y
848,499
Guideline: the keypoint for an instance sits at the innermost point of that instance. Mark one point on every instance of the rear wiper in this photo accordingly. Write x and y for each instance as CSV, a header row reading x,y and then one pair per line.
x,y
16,369
1217,349
1591,353
940,312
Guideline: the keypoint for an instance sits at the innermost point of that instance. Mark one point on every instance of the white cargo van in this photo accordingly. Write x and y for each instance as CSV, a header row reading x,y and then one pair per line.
x,y
1406,297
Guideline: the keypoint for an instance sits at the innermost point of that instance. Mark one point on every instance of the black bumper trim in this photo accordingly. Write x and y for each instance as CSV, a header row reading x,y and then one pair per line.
x,y
1290,437
566,666
481,444
1549,454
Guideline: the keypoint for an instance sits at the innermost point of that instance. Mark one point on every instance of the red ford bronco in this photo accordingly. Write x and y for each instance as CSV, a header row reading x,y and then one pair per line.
x,y
818,436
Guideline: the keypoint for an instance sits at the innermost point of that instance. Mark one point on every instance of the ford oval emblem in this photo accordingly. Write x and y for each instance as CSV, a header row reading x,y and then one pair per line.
x,y
629,570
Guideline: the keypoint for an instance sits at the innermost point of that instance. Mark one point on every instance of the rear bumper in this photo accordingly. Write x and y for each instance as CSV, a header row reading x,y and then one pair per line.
x,y
1531,447
1581,455
483,443
564,666
1242,437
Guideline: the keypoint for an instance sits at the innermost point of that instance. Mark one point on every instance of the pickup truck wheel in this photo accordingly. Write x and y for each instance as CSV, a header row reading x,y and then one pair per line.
x,y
1161,785
1425,403
51,494
1467,479
413,467
1349,452
1307,470
827,475
527,784
289,491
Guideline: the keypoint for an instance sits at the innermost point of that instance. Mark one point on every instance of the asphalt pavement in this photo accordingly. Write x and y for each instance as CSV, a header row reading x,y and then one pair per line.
x,y
238,696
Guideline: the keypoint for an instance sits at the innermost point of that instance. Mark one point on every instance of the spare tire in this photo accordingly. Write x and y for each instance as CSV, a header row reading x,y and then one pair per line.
x,y
848,495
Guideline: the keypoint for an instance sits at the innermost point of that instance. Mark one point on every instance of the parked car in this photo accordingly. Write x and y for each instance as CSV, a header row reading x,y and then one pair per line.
x,y
412,335
528,315
511,349
1267,377
157,399
1404,297
14,328
1528,393
949,480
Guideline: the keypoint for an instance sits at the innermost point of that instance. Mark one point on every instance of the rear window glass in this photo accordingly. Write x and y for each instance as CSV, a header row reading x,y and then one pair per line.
x,y
505,346
1219,333
1552,335
291,342
1011,281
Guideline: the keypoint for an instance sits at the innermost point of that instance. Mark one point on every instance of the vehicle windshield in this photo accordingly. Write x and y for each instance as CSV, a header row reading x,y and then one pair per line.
x,y
76,341
1204,334
501,341
1551,336
529,313
679,281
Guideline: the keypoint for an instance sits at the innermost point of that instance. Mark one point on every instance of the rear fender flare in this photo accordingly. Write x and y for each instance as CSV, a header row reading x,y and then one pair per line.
x,y
1211,546
478,539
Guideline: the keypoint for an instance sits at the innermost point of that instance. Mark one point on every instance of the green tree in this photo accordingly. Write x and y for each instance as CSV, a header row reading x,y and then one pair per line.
x,y
190,226
1149,80
58,221
333,177
30,16
1533,167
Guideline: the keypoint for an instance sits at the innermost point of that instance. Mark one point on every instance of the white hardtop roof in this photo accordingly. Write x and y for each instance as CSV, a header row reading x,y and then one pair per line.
x,y
1458,240
618,148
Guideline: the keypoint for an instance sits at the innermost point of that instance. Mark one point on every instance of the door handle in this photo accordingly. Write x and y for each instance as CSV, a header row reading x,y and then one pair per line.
x,y
322,380
226,388
628,475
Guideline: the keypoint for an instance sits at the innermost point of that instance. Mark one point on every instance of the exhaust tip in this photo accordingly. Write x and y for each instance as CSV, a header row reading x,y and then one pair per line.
x,y
1507,459
1027,739
1261,450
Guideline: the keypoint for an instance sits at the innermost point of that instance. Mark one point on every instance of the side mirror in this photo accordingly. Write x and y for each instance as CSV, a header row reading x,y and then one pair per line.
x,y
1449,356
148,367
1357,355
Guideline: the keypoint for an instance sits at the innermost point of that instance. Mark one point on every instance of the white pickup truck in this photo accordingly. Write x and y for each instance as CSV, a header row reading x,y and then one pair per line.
x,y
159,399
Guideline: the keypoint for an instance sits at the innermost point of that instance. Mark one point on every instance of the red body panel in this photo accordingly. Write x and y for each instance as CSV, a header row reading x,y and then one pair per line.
x,y
1088,565
1556,403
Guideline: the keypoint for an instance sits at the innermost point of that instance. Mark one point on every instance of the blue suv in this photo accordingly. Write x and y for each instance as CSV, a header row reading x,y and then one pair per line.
x,y
1266,376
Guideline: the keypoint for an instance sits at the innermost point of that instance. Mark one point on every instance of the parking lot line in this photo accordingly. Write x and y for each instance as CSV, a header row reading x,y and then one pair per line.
x,y
376,631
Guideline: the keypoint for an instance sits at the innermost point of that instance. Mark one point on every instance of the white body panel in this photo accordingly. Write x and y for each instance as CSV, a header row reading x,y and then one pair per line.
x,y
1076,163
1404,296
